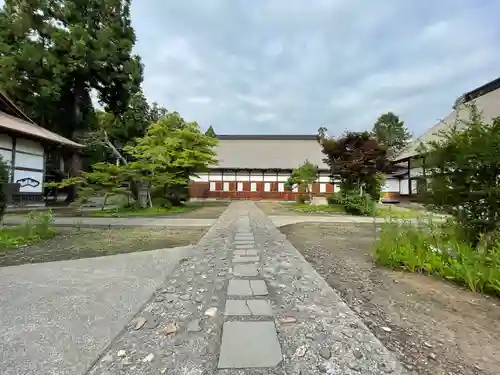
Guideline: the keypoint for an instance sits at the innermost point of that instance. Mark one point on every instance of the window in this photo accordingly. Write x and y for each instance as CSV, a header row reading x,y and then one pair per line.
x,y
253,186
240,186
295,188
281,186
212,186
226,186
322,188
267,186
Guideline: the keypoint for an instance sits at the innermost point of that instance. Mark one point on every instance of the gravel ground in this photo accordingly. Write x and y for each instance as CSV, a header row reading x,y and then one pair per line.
x,y
271,208
433,326
86,243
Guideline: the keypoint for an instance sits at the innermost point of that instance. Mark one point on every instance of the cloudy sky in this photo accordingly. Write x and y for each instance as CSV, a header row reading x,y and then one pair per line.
x,y
290,66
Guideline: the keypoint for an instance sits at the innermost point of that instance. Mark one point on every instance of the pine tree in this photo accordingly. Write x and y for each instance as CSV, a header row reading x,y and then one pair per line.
x,y
391,132
211,132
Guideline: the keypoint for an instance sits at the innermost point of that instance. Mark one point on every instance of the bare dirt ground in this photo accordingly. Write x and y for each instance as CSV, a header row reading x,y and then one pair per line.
x,y
86,243
286,209
204,210
433,326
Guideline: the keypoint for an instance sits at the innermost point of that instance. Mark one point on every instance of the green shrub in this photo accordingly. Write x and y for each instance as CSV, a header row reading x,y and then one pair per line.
x,y
36,227
333,199
356,204
301,198
439,251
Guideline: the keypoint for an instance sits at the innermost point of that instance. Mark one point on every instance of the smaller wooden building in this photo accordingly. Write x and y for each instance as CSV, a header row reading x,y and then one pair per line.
x,y
410,163
24,146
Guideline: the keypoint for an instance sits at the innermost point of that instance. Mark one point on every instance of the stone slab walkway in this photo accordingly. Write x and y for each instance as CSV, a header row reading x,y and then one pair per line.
x,y
56,317
280,221
245,302
110,222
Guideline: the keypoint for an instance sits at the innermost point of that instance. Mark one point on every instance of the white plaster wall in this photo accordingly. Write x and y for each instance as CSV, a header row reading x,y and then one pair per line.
x,y
212,186
29,146
256,176
6,155
202,177
38,176
229,176
270,177
281,186
215,177
243,176
391,186
322,188
5,141
29,161
403,187
283,177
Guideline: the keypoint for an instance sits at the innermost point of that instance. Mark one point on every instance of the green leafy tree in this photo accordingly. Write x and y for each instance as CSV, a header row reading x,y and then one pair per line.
x,y
355,158
211,132
303,177
4,180
462,170
54,55
391,132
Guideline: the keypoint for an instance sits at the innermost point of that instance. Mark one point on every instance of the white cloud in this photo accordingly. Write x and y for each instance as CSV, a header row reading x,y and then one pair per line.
x,y
265,117
287,66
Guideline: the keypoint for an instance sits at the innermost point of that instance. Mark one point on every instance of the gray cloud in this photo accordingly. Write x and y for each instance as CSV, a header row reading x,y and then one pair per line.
x,y
284,66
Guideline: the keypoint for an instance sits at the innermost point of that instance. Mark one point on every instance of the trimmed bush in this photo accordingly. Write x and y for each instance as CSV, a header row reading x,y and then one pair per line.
x,y
356,204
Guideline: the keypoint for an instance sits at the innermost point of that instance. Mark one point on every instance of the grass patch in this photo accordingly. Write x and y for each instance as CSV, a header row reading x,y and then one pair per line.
x,y
321,208
398,212
37,227
439,251
149,211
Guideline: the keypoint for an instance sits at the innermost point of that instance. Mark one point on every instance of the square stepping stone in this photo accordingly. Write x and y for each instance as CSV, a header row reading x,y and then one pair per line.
x,y
245,246
245,259
244,242
248,307
245,270
249,345
246,288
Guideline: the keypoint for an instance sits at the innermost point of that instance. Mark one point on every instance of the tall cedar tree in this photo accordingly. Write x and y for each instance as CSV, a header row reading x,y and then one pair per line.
x,y
391,132
211,132
462,169
54,54
355,158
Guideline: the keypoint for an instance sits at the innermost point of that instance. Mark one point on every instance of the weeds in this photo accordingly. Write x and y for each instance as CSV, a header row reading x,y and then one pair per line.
x,y
36,227
439,250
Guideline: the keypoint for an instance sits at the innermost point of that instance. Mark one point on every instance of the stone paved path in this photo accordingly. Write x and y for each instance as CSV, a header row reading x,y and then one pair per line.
x,y
245,302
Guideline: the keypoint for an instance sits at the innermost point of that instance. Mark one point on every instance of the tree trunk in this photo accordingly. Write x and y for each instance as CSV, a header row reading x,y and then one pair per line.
x,y
74,171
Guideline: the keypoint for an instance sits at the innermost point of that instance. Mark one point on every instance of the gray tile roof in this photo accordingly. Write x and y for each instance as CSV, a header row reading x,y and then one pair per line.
x,y
20,126
488,104
263,152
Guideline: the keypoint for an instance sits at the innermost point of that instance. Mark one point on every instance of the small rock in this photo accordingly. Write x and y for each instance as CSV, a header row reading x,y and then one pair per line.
x,y
194,326
214,298
148,358
322,369
163,371
211,312
198,299
152,320
348,296
159,299
107,358
325,353
185,297
432,356
126,361
354,366
357,353
169,329
386,329
301,351
121,353
288,320
427,344
139,322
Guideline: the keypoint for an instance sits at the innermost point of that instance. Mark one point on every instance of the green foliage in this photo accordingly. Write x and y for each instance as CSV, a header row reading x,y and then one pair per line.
x,y
4,179
36,227
55,53
355,158
301,198
138,211
303,177
374,186
166,157
319,208
462,168
439,251
211,132
356,203
333,199
391,133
